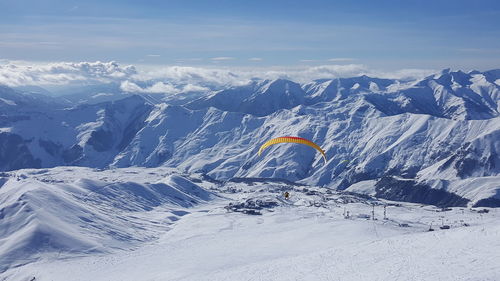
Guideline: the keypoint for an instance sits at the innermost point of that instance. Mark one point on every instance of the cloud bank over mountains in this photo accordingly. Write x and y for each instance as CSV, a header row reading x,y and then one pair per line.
x,y
176,79
61,73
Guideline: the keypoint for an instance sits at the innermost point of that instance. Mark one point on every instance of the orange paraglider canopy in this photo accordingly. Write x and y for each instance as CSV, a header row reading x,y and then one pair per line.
x,y
288,139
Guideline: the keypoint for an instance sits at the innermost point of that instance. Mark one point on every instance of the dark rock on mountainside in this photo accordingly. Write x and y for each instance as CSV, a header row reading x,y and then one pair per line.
x,y
15,154
410,191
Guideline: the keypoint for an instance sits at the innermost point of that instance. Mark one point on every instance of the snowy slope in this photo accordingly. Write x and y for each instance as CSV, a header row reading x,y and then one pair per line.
x,y
437,133
87,135
13,101
92,94
315,235
224,144
259,98
70,211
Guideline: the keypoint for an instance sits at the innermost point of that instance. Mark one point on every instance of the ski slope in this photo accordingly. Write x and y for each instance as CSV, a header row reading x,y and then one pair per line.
x,y
308,237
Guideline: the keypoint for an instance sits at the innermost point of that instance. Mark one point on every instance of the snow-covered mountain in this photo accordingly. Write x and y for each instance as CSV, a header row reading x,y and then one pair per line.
x,y
72,211
258,98
453,95
195,212
439,135
12,101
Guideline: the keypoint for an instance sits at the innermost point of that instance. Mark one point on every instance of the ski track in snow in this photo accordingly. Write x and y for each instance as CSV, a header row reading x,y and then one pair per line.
x,y
304,238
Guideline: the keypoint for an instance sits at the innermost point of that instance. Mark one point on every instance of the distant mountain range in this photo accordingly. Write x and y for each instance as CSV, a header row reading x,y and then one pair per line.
x,y
434,140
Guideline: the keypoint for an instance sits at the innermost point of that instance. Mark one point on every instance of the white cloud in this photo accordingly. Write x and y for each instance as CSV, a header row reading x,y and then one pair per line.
x,y
238,76
222,58
194,88
255,59
309,73
406,74
130,87
161,88
62,73
157,88
177,79
193,75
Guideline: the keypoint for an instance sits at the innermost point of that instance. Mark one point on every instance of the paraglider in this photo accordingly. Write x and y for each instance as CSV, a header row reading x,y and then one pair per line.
x,y
288,139
286,195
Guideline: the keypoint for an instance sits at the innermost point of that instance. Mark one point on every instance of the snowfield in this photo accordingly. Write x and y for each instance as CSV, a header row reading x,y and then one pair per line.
x,y
73,223
105,185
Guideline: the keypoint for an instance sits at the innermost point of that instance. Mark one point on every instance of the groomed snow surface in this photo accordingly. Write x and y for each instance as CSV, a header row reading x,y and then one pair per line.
x,y
71,223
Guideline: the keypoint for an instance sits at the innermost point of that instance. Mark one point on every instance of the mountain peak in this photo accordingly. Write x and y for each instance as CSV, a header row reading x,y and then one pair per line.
x,y
445,71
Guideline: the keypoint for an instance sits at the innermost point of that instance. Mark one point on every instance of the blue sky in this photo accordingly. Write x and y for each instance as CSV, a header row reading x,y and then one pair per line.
x,y
381,34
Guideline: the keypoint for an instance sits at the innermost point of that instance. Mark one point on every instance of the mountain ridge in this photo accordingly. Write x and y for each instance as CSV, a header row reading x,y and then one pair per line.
x,y
444,127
